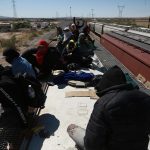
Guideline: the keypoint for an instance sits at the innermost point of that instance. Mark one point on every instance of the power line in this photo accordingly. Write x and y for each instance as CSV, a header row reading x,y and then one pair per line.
x,y
14,9
92,13
70,12
120,8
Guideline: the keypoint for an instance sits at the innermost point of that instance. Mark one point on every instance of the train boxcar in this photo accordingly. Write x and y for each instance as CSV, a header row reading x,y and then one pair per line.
x,y
100,28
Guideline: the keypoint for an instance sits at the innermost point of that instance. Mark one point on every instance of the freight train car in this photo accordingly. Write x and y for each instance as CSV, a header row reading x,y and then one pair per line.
x,y
100,28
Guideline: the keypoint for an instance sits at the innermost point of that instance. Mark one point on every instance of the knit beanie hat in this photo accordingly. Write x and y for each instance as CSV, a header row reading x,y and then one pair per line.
x,y
114,76
40,54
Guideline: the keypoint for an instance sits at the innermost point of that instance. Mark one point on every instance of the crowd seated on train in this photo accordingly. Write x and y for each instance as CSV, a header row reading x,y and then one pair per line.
x,y
74,45
35,63
72,32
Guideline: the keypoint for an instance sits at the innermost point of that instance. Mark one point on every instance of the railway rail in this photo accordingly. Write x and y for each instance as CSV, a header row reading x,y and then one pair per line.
x,y
100,28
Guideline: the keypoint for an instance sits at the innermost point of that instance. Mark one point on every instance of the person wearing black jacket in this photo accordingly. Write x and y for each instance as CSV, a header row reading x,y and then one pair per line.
x,y
120,119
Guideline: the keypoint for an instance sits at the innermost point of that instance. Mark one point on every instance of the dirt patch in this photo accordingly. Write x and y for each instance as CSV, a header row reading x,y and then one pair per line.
x,y
24,40
17,39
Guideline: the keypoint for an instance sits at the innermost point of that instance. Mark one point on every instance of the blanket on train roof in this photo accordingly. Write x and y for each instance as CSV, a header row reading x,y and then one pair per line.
x,y
79,76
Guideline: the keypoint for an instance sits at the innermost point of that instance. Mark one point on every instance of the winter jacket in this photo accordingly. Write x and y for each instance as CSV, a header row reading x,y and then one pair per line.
x,y
51,59
121,117
21,66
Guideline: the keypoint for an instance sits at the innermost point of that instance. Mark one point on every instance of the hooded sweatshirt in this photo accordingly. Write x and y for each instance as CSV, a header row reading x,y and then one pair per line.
x,y
40,54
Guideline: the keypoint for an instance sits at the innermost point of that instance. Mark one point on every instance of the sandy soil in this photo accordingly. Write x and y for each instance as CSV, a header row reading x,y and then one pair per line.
x,y
25,43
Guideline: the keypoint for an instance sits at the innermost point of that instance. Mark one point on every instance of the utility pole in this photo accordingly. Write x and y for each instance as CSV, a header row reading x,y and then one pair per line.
x,y
14,9
57,14
92,13
120,8
70,12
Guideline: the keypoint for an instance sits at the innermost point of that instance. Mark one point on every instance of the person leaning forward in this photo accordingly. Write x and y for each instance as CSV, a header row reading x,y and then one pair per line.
x,y
120,119
19,65
43,57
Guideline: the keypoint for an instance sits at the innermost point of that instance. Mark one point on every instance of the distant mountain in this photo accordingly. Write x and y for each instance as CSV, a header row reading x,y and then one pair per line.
x,y
4,17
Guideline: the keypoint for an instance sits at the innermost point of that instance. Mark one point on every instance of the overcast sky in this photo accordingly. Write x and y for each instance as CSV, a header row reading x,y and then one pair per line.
x,y
77,8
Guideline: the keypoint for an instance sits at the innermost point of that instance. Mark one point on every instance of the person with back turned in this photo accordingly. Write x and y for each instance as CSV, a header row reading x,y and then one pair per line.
x,y
19,65
120,119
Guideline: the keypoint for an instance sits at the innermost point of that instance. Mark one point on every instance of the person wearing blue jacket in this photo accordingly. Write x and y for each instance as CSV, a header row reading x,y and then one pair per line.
x,y
19,65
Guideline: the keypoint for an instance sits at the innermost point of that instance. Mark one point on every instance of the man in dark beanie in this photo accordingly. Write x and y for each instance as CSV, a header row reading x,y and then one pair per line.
x,y
19,64
120,119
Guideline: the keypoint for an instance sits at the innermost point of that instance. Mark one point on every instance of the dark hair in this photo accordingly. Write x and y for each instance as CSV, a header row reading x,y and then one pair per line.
x,y
10,52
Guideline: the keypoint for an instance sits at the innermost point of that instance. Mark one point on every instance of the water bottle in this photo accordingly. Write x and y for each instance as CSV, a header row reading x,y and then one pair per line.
x,y
1,110
31,91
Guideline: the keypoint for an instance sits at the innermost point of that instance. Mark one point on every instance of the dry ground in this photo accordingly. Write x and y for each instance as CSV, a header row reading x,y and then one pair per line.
x,y
21,40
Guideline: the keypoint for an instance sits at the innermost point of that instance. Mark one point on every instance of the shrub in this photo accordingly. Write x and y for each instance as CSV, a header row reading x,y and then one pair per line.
x,y
5,43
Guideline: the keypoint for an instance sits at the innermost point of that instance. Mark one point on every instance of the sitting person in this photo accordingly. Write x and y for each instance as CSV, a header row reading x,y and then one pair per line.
x,y
43,57
68,35
77,23
60,38
84,46
60,34
86,31
71,55
120,118
19,64
75,31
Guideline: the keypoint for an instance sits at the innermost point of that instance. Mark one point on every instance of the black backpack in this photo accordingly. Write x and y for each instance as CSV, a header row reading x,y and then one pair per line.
x,y
26,82
14,96
13,102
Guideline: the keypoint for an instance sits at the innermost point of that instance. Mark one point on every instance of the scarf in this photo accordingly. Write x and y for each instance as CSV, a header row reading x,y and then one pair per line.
x,y
40,54
67,35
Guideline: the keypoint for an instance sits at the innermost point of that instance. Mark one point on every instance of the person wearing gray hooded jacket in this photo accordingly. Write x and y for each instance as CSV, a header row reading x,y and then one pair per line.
x,y
120,119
